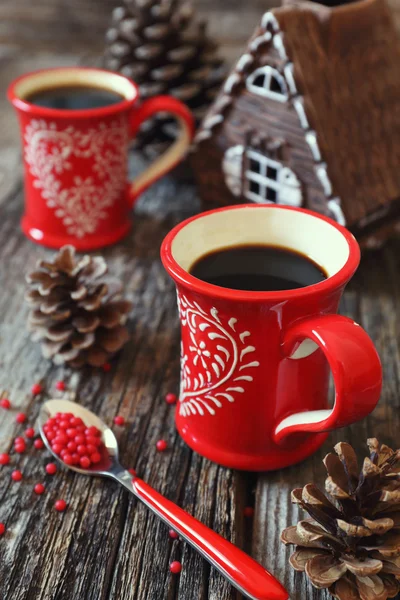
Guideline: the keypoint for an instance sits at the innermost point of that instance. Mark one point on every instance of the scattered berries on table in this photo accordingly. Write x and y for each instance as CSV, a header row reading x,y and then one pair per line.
x,y
119,420
171,398
39,444
161,445
39,489
36,389
60,385
20,418
4,459
172,534
30,433
60,505
248,512
175,567
16,475
5,403
51,468
20,448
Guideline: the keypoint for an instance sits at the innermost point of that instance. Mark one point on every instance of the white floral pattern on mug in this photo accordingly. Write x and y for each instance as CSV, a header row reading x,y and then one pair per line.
x,y
216,364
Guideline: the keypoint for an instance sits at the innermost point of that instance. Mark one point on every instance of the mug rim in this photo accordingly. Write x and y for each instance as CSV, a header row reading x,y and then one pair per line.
x,y
42,111
180,275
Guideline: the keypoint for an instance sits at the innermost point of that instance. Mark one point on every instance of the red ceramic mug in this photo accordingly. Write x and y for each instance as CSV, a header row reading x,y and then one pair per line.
x,y
76,160
255,365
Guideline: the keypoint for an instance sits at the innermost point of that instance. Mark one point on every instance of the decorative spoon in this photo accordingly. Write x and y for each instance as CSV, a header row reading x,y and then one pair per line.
x,y
248,576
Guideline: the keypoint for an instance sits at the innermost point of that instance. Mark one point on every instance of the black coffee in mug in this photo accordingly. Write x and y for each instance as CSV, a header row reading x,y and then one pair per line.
x,y
258,268
74,97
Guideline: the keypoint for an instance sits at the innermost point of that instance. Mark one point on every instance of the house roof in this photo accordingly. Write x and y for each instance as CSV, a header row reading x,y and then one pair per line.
x,y
346,70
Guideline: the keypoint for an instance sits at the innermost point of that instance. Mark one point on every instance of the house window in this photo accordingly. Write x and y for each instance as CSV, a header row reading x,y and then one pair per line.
x,y
269,181
269,83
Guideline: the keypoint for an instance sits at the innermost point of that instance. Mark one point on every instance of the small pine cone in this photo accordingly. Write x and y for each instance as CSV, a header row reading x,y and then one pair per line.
x,y
77,315
351,544
162,46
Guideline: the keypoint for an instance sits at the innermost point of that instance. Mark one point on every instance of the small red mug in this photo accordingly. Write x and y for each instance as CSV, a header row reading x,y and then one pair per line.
x,y
255,365
76,160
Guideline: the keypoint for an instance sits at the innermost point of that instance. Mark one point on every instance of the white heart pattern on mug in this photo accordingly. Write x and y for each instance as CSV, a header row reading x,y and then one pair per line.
x,y
216,368
102,150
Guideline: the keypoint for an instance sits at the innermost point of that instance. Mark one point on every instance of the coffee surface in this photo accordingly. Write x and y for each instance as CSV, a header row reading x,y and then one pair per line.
x,y
258,268
74,97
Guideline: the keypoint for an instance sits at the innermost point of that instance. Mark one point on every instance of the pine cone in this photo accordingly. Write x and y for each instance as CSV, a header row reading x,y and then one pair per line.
x,y
351,544
76,314
160,45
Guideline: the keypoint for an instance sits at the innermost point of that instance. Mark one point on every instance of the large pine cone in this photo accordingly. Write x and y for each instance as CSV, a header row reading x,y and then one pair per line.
x,y
76,314
165,50
351,544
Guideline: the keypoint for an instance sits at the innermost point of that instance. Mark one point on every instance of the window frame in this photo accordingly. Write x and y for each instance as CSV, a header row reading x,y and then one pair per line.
x,y
261,178
265,90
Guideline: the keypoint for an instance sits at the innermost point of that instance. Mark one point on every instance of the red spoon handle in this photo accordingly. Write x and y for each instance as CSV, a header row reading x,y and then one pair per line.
x,y
243,572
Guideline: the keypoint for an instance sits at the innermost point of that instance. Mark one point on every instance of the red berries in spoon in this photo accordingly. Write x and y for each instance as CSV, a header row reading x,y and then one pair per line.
x,y
72,441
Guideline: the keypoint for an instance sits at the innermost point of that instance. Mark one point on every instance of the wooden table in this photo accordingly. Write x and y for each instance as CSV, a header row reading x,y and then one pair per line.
x,y
107,545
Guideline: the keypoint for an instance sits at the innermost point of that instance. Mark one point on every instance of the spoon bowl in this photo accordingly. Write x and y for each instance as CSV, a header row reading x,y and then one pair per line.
x,y
248,576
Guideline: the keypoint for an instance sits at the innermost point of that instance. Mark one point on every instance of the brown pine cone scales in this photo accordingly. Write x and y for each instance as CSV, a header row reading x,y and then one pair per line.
x,y
351,544
77,315
163,47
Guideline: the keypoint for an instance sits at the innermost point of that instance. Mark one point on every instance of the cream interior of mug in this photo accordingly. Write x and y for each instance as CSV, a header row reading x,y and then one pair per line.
x,y
299,231
74,77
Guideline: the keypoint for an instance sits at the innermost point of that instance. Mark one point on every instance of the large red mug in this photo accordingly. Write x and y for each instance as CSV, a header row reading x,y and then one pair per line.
x,y
255,365
76,186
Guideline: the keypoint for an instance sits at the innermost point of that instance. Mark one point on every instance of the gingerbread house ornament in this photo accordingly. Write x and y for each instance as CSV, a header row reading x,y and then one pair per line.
x,y
310,116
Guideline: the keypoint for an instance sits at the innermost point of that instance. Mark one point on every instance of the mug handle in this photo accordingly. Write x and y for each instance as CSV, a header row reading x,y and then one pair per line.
x,y
356,370
171,157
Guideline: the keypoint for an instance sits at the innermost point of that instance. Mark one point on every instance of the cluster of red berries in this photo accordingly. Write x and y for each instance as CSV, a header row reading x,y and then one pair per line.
x,y
75,443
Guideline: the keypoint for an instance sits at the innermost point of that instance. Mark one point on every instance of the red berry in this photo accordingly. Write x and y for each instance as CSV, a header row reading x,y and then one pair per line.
x,y
132,472
51,468
248,512
92,430
38,444
63,453
61,439
36,389
95,458
67,458
173,535
80,428
161,445
39,489
119,420
20,448
56,448
4,459
60,385
85,462
69,416
171,398
20,418
175,567
106,367
5,403
81,450
2,528
16,475
93,441
76,421
60,505
51,435
71,433
30,433
79,439
19,440
75,458
72,446
91,449
64,424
